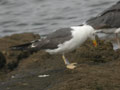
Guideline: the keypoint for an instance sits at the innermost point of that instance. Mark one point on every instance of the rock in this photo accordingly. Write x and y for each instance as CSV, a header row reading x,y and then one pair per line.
x,y
14,57
107,19
97,67
2,60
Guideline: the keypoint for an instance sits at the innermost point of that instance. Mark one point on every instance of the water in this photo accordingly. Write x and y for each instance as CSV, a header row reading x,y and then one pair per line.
x,y
45,16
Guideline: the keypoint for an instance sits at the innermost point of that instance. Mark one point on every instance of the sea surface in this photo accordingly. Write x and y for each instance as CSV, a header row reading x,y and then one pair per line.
x,y
46,16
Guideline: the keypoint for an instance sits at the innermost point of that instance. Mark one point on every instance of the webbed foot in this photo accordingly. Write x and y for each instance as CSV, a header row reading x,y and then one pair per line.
x,y
71,66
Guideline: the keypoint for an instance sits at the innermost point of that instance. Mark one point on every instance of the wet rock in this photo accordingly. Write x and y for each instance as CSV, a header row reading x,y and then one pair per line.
x,y
107,19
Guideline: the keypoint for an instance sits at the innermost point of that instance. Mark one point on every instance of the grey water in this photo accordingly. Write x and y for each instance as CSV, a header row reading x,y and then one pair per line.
x,y
46,16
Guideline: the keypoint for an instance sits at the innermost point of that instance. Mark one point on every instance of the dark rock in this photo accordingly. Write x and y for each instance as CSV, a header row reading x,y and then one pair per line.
x,y
107,19
2,60
14,57
12,65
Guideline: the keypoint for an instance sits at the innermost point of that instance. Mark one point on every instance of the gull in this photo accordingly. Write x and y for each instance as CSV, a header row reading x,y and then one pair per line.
x,y
62,41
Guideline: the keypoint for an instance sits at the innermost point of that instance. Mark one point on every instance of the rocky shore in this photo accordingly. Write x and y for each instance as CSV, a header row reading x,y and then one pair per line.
x,y
97,67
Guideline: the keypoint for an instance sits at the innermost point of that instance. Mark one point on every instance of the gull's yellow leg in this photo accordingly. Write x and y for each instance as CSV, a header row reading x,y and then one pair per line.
x,y
68,64
65,60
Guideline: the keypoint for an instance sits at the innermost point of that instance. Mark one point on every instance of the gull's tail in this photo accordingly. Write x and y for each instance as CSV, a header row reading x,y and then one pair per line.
x,y
25,46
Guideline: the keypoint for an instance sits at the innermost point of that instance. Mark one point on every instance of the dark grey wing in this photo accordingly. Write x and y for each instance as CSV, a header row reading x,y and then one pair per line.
x,y
52,40
109,18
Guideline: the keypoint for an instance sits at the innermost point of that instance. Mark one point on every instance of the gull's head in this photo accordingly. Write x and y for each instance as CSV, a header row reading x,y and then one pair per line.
x,y
92,34
92,37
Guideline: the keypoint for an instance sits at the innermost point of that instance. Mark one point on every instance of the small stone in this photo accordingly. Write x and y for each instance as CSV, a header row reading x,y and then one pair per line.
x,y
12,76
43,76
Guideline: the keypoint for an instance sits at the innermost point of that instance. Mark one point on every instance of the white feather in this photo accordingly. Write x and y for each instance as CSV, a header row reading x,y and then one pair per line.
x,y
117,30
79,33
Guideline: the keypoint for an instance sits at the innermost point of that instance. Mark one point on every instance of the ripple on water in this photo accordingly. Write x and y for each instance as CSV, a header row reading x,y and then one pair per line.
x,y
45,16
8,31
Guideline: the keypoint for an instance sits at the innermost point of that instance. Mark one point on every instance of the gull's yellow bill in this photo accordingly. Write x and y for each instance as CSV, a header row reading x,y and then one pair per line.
x,y
95,43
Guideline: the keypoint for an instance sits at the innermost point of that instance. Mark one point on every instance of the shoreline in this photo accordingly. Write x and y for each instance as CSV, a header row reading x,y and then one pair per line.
x,y
95,67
